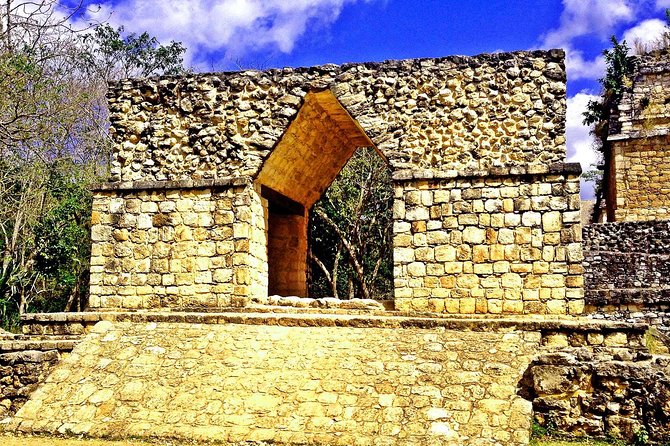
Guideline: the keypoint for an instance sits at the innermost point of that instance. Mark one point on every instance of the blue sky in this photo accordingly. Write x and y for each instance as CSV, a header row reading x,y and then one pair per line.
x,y
228,34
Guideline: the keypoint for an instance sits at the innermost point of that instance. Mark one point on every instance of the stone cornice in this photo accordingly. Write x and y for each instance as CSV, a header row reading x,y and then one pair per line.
x,y
172,184
553,169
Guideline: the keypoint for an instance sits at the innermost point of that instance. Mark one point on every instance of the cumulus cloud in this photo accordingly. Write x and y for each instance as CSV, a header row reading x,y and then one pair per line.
x,y
234,27
579,141
584,17
645,33
580,68
597,18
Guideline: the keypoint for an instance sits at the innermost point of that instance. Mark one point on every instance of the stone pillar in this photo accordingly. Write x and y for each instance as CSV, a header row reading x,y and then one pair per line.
x,y
177,245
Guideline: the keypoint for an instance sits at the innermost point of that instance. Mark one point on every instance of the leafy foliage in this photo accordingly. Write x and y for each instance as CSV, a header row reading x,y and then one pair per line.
x,y
62,241
114,54
620,67
54,144
350,232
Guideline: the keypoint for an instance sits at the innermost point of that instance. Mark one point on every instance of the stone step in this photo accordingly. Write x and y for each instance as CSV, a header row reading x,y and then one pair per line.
x,y
15,345
59,324
556,331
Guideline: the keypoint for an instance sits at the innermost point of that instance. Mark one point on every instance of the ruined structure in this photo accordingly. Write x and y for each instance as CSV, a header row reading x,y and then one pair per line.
x,y
213,176
205,217
626,259
639,170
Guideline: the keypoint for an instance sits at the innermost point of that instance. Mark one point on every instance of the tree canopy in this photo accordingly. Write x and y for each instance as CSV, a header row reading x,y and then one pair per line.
x,y
350,232
54,144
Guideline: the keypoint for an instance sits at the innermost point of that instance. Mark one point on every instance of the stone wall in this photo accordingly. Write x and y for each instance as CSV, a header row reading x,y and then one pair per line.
x,y
500,242
606,393
287,255
457,112
642,176
627,270
178,247
248,142
644,109
639,169
21,372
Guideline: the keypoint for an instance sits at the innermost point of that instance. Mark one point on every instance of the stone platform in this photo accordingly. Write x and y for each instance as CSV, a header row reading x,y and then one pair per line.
x,y
297,377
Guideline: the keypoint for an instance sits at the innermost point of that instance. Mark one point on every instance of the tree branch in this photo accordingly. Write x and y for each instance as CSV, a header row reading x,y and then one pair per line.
x,y
350,249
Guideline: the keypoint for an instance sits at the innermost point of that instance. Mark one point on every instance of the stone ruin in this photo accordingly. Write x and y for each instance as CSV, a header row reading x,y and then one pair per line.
x,y
214,176
627,260
638,166
205,217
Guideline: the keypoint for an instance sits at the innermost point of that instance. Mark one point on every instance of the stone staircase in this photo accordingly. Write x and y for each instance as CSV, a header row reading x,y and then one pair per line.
x,y
299,374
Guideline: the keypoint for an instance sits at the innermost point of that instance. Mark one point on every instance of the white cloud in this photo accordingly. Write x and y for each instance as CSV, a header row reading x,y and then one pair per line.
x,y
580,18
580,68
584,17
234,27
645,33
662,4
579,140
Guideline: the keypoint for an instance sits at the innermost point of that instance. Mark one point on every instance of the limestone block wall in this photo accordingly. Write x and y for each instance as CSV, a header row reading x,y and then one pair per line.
x,y
491,243
447,113
639,169
642,177
177,247
627,271
287,255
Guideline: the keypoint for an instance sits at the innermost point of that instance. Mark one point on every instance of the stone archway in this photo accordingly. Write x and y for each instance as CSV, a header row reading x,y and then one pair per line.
x,y
308,157
485,212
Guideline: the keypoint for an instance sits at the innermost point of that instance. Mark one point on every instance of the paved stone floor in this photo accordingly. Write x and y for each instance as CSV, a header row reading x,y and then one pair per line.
x,y
289,385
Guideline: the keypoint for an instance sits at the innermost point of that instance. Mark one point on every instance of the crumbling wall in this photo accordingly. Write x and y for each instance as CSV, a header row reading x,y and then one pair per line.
x,y
610,393
627,271
21,372
644,109
639,135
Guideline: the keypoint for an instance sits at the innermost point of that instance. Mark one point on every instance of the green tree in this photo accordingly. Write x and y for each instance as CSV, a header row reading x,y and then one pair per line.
x,y
62,240
350,232
620,67
113,54
54,144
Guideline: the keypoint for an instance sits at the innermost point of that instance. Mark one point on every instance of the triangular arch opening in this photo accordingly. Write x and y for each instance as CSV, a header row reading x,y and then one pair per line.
x,y
308,157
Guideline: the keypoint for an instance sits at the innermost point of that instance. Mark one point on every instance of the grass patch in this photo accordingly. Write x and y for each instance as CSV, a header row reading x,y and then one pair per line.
x,y
585,442
550,436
